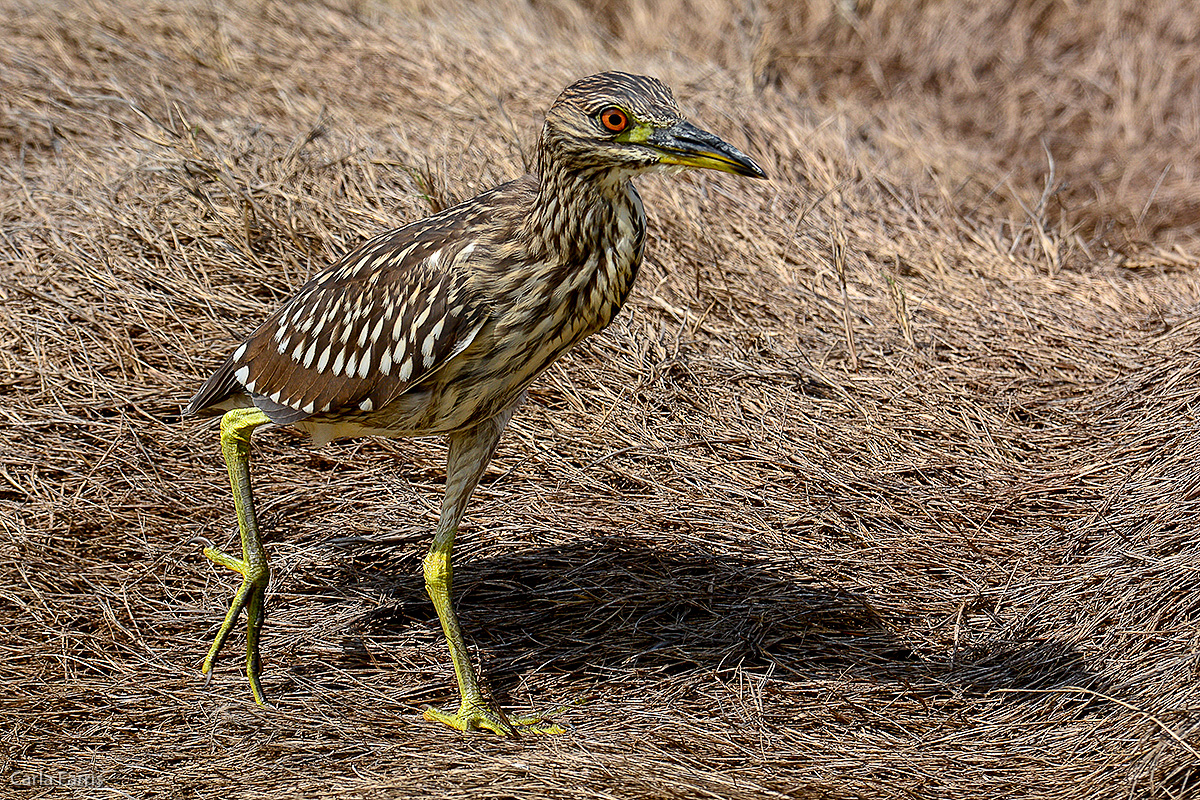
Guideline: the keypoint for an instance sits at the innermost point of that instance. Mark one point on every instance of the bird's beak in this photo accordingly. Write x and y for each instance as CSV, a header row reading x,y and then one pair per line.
x,y
685,145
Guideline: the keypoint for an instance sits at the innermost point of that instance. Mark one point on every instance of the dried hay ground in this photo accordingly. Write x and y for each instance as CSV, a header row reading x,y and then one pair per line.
x,y
927,532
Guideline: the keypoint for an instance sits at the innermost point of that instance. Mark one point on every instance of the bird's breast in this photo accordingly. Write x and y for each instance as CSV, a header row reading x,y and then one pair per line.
x,y
539,308
592,292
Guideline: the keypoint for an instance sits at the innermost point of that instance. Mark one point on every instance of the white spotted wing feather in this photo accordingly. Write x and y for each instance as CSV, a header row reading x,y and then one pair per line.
x,y
359,334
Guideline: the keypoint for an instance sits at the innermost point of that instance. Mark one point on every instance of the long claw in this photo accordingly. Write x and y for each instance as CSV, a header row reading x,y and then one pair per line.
x,y
474,717
482,715
249,596
229,562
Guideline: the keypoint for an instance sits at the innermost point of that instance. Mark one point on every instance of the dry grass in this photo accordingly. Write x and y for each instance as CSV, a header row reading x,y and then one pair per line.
x,y
950,554
1090,105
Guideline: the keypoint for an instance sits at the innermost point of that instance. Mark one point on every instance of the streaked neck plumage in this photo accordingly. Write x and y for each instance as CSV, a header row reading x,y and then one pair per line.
x,y
588,221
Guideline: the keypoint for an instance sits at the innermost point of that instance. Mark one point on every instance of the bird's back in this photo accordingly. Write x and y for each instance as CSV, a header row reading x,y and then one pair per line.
x,y
371,324
433,326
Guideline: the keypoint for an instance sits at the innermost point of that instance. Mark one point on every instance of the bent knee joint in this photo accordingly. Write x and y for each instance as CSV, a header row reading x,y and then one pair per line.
x,y
239,423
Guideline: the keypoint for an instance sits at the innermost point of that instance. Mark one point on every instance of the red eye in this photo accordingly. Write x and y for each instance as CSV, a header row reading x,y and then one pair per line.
x,y
614,119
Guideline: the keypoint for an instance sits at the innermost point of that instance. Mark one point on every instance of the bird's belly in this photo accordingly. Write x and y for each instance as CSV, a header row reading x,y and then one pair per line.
x,y
424,410
462,394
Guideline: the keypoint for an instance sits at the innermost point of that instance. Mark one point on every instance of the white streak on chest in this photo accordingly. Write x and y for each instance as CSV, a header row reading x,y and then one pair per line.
x,y
593,293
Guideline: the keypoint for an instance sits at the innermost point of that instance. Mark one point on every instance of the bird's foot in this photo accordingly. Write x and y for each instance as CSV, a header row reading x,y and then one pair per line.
x,y
479,714
250,596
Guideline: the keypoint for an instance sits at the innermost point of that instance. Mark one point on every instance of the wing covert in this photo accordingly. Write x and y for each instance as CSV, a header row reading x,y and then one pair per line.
x,y
361,332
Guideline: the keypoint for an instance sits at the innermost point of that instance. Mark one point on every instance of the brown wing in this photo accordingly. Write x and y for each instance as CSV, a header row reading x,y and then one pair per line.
x,y
361,332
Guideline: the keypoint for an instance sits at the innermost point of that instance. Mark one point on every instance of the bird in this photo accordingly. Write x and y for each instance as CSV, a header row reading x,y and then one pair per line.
x,y
439,327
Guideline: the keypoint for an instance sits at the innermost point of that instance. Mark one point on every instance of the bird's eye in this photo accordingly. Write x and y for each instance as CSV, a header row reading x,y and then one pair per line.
x,y
614,119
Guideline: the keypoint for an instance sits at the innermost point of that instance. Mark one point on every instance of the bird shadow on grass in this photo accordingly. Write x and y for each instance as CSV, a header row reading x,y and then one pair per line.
x,y
595,608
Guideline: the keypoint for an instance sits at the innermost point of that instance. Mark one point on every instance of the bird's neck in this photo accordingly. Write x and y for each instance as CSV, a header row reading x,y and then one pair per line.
x,y
589,228
568,266
576,211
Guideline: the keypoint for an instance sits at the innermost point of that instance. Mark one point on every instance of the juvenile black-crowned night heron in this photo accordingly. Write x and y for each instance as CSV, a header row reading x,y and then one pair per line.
x,y
438,327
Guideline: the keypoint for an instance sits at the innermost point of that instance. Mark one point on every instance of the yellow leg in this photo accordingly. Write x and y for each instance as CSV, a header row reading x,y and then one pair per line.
x,y
236,427
470,452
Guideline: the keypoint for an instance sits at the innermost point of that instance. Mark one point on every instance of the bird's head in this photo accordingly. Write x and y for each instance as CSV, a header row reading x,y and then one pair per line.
x,y
615,122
